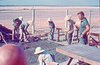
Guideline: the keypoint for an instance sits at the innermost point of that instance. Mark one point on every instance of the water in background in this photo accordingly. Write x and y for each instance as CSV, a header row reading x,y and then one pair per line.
x,y
42,14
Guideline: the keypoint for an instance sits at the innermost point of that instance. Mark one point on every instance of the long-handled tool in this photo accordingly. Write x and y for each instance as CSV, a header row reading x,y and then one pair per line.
x,y
3,38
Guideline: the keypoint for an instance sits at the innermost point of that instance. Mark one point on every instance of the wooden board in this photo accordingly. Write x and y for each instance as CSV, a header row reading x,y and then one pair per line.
x,y
81,52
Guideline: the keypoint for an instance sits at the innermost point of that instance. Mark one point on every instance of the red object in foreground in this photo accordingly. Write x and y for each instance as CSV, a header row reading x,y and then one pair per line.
x,y
11,54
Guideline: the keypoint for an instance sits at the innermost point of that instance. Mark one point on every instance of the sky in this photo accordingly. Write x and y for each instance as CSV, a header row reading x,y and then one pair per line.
x,y
94,3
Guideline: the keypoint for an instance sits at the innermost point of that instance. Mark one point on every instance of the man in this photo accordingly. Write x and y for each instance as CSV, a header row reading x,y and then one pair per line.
x,y
43,57
24,32
52,28
83,28
11,54
70,29
16,23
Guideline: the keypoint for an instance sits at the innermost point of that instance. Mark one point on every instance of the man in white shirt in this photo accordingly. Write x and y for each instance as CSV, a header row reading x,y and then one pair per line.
x,y
24,32
43,57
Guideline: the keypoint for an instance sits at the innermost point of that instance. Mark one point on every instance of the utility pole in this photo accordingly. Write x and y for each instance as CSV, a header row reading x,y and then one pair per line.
x,y
99,8
33,17
66,23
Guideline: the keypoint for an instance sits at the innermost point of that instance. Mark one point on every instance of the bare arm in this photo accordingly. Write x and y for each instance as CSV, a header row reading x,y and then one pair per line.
x,y
77,26
86,30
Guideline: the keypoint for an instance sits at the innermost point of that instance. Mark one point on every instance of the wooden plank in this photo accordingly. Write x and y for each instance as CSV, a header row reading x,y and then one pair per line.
x,y
69,61
96,34
73,62
83,53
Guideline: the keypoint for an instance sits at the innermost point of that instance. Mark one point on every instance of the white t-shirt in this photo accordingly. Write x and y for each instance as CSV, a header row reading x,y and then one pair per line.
x,y
44,58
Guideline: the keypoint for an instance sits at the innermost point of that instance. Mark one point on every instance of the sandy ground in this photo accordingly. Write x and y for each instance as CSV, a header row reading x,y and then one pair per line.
x,y
45,44
41,23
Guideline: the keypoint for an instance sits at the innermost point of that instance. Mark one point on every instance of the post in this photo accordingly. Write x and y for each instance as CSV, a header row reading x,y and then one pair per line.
x,y
69,61
99,8
65,20
90,26
33,19
67,12
90,18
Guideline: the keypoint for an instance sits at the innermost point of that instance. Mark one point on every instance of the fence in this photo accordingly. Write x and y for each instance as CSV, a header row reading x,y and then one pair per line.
x,y
39,15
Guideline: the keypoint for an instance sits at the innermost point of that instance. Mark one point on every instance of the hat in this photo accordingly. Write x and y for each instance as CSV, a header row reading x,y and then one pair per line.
x,y
30,22
20,18
49,19
68,17
38,50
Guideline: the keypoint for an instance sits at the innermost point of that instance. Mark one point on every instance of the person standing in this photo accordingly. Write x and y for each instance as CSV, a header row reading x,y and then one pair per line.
x,y
70,28
83,28
52,28
16,23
